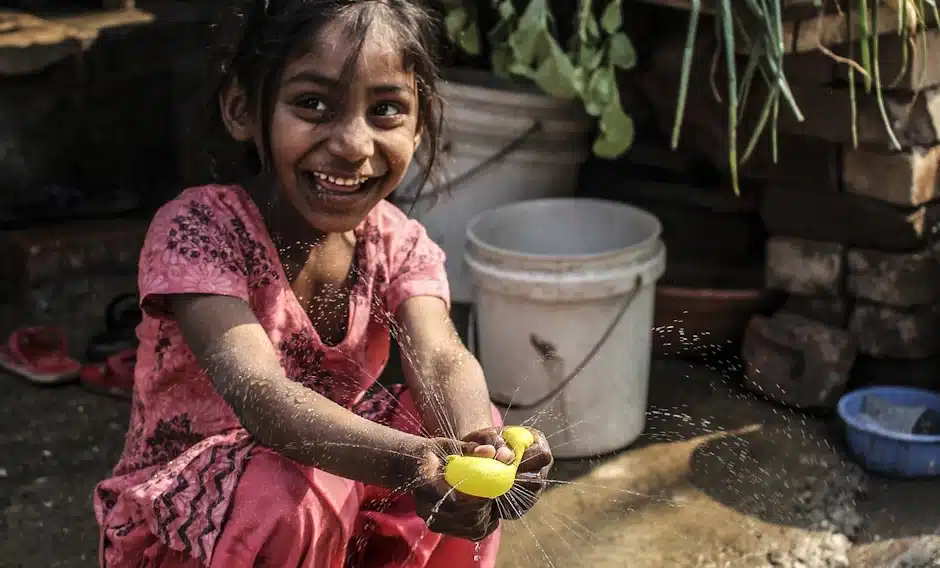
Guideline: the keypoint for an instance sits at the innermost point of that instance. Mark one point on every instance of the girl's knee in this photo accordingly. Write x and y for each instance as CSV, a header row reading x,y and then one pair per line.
x,y
279,514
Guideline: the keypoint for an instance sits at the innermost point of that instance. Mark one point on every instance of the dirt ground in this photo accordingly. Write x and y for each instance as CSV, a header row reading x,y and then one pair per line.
x,y
718,479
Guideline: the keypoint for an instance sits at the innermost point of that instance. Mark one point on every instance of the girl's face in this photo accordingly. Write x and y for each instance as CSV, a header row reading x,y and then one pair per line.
x,y
338,147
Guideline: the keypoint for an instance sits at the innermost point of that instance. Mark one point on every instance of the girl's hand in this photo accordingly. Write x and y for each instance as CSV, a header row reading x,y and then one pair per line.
x,y
445,510
475,518
530,477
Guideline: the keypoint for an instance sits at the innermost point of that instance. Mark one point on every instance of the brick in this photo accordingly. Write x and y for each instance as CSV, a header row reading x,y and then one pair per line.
x,y
920,71
902,280
704,127
838,28
797,361
847,218
35,256
883,331
798,266
905,178
808,163
827,112
829,310
811,163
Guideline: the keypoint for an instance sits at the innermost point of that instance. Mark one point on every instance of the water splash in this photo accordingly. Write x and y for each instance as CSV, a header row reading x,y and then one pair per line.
x,y
570,530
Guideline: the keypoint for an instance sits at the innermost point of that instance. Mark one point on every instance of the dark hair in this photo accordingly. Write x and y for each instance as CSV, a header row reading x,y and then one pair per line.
x,y
254,43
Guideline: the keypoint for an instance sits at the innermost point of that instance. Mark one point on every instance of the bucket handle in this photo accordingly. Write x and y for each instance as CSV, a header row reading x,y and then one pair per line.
x,y
627,302
499,155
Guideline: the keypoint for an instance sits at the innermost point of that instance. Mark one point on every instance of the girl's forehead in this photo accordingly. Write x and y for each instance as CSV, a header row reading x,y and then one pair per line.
x,y
331,52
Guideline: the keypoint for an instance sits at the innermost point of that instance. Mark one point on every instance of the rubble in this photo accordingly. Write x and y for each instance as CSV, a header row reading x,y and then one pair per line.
x,y
828,503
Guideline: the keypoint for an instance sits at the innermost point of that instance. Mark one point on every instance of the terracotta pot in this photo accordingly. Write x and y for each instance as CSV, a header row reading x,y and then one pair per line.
x,y
698,323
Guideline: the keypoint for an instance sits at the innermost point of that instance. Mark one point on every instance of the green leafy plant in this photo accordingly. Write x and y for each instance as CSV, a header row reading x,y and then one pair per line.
x,y
525,43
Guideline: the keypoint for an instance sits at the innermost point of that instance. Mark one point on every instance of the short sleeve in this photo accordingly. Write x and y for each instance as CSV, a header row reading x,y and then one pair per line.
x,y
416,266
190,248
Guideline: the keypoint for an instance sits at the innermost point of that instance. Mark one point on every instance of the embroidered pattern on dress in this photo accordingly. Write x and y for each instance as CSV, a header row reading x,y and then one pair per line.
x,y
198,236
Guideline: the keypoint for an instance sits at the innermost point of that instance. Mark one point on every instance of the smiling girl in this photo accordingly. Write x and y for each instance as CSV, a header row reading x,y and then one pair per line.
x,y
256,438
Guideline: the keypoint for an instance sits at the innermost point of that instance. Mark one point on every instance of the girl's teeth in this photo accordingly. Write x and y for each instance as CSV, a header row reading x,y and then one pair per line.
x,y
340,181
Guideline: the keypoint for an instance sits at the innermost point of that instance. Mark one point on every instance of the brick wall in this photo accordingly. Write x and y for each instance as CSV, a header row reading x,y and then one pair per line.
x,y
850,232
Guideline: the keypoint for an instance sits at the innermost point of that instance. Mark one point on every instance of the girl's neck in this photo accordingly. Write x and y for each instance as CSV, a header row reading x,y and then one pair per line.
x,y
297,242
286,227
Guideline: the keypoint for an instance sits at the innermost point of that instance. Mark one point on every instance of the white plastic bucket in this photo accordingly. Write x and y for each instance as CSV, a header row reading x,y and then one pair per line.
x,y
551,277
548,140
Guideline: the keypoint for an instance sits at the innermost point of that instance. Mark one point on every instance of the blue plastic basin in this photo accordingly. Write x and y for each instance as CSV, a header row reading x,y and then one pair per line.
x,y
883,451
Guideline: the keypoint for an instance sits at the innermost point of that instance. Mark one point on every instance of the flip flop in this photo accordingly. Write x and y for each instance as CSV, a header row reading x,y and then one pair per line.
x,y
39,354
121,319
113,377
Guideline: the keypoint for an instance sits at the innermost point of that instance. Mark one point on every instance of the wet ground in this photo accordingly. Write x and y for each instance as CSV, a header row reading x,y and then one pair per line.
x,y
719,479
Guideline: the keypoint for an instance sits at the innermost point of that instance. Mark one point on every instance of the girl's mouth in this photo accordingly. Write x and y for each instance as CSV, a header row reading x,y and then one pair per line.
x,y
330,183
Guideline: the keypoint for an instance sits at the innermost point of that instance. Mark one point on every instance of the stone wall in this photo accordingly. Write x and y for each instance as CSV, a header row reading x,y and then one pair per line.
x,y
850,230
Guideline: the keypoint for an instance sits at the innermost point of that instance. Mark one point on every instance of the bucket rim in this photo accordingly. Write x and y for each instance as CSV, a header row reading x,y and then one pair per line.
x,y
645,244
489,89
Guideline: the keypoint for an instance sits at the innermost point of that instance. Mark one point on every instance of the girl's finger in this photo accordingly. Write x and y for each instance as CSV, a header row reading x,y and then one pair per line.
x,y
484,451
505,455
539,455
487,437
535,459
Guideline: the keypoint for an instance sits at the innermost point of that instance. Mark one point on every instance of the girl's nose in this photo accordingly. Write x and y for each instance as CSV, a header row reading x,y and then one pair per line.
x,y
352,140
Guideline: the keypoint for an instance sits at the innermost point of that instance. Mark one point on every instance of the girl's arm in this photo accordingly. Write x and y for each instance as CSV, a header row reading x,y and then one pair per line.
x,y
303,425
445,379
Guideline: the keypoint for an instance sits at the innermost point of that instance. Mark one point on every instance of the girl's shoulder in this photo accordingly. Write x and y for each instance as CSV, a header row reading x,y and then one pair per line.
x,y
387,216
217,201
393,226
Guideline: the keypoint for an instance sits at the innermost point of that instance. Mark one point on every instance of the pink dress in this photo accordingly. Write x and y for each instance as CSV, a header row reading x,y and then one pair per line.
x,y
192,487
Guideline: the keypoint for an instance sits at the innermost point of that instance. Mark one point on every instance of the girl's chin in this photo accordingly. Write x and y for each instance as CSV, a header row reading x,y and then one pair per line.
x,y
332,211
340,201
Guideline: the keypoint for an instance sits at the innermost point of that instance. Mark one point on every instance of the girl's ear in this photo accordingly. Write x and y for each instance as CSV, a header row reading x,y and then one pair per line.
x,y
233,107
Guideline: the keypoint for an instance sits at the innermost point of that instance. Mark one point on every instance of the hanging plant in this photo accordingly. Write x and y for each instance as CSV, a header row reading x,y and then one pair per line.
x,y
524,43
762,39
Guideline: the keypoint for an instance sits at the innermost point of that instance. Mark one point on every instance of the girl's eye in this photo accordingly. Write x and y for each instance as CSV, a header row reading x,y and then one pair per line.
x,y
387,110
311,103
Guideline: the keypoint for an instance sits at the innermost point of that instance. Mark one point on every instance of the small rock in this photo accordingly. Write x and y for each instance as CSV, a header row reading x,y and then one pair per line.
x,y
797,361
798,266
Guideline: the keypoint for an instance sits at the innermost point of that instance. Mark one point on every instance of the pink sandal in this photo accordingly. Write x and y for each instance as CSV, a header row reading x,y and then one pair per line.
x,y
113,377
39,354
